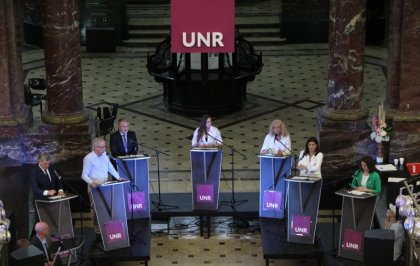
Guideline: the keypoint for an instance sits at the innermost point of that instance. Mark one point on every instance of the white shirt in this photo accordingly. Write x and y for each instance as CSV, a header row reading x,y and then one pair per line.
x,y
364,180
212,138
96,168
313,163
277,145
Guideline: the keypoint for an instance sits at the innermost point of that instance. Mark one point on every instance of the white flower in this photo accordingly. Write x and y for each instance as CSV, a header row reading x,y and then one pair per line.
x,y
382,133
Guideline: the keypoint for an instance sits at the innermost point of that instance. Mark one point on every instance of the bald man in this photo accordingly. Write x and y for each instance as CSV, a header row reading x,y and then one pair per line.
x,y
40,240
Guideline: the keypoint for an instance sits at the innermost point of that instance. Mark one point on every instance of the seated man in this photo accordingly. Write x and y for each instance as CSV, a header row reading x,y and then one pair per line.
x,y
40,241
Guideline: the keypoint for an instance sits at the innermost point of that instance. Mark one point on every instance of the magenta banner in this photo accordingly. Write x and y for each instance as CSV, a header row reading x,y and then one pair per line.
x,y
114,232
352,240
203,26
301,225
137,202
272,200
205,193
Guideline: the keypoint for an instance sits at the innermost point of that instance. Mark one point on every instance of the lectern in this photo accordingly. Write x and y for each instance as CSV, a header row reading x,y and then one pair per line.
x,y
135,168
206,167
303,204
356,217
110,211
273,172
55,211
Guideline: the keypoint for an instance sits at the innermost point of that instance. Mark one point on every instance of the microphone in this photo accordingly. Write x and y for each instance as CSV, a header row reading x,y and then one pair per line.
x,y
59,176
291,153
206,138
275,137
111,157
218,141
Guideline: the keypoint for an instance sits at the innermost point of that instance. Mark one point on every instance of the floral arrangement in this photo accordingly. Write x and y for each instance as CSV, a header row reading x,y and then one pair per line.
x,y
381,131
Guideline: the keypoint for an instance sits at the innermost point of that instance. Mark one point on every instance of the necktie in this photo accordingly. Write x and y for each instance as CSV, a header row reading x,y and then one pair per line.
x,y
125,143
46,250
46,173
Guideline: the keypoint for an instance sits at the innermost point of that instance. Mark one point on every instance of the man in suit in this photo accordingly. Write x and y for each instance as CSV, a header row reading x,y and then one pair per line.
x,y
40,240
123,142
45,181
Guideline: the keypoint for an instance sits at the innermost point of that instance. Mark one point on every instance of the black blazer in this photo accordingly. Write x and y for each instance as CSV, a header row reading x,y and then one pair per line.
x,y
37,243
117,144
41,182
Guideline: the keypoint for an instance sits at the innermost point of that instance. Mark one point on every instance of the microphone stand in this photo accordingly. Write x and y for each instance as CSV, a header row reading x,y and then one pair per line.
x,y
233,202
295,157
159,204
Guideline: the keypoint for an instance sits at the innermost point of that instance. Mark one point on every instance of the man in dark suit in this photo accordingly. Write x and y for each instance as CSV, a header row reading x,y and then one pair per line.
x,y
39,240
123,142
45,181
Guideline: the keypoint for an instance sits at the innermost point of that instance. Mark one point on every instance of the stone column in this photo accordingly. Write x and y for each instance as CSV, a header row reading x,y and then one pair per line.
x,y
15,116
403,91
62,63
342,126
346,60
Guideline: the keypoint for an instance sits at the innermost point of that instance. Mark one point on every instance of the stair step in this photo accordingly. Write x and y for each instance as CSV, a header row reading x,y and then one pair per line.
x,y
153,42
162,33
250,22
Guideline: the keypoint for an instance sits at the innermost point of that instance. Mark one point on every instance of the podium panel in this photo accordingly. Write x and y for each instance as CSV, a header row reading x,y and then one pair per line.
x,y
303,205
111,214
356,217
55,211
206,165
137,200
273,171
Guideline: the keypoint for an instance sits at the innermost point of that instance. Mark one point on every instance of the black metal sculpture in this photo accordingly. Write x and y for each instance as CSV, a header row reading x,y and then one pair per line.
x,y
214,83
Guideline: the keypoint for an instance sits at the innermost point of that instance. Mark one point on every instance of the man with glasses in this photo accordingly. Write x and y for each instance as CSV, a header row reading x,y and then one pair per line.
x,y
96,166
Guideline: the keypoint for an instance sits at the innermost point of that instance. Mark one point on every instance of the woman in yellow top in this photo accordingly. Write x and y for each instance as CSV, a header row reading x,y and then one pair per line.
x,y
366,179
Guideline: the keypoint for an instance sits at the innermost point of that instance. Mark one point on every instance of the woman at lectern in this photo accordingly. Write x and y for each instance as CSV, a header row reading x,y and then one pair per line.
x,y
206,135
310,159
277,141
366,179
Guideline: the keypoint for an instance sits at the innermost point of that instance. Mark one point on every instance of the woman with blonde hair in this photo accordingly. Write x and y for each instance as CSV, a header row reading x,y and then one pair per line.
x,y
277,141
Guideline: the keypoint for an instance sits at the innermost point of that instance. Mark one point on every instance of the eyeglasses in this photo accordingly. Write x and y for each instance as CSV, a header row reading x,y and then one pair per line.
x,y
100,147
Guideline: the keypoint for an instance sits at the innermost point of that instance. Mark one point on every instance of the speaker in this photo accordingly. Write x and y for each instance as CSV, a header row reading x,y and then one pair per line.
x,y
379,247
25,256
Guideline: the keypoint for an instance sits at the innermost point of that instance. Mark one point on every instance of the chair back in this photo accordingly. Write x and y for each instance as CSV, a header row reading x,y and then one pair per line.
x,y
37,83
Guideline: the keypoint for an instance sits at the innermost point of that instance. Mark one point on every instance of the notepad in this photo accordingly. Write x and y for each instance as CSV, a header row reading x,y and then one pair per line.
x,y
395,179
54,197
386,167
357,193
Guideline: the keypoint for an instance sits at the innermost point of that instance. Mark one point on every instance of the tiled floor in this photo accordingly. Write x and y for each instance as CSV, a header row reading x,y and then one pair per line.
x,y
292,86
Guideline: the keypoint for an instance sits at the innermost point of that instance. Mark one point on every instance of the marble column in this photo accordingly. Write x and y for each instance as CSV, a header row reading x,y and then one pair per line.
x,y
15,116
342,123
346,60
403,90
62,62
